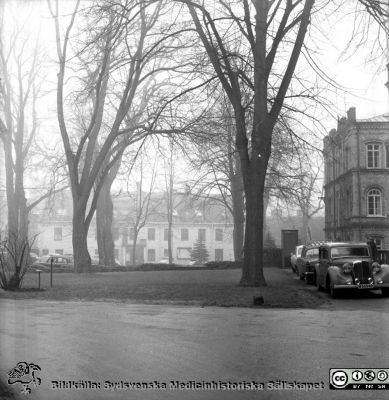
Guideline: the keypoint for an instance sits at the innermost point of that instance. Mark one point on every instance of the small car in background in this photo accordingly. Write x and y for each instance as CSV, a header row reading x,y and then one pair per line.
x,y
295,256
60,262
307,261
349,265
32,257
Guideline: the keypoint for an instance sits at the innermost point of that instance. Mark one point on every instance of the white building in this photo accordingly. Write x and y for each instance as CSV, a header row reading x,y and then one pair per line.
x,y
51,225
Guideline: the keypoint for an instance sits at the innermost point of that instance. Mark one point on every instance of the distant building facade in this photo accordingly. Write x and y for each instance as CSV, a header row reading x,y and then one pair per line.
x,y
52,228
356,182
275,224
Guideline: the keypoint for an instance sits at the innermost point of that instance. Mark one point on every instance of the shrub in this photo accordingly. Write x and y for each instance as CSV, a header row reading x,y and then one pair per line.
x,y
14,261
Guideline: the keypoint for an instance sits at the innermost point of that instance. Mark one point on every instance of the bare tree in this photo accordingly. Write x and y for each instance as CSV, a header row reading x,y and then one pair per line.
x,y
213,155
213,152
169,187
143,202
271,37
120,57
303,190
22,71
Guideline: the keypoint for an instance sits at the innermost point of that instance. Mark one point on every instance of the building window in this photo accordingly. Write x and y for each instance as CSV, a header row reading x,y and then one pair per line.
x,y
151,255
165,253
183,253
57,234
387,155
58,251
184,234
45,252
374,202
373,155
218,254
201,235
219,235
151,234
166,234
116,253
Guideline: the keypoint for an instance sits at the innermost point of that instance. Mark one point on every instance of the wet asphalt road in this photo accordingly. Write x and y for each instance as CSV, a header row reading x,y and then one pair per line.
x,y
103,342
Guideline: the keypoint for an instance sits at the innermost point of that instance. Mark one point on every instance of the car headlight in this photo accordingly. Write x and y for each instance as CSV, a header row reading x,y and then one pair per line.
x,y
347,268
376,267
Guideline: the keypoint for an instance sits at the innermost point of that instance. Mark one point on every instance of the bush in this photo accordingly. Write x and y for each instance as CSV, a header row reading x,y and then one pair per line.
x,y
224,264
14,261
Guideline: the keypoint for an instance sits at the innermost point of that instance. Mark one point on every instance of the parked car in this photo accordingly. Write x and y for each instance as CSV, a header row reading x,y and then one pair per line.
x,y
32,257
295,256
349,265
307,261
59,262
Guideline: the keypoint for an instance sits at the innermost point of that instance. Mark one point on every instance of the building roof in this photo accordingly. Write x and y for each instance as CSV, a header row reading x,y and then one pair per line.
x,y
377,118
187,209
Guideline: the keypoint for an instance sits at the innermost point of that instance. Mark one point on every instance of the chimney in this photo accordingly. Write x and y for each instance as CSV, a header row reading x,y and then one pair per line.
x,y
352,114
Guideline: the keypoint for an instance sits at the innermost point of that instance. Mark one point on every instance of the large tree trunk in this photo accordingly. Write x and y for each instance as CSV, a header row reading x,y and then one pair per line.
x,y
104,218
254,176
305,223
238,216
252,271
82,260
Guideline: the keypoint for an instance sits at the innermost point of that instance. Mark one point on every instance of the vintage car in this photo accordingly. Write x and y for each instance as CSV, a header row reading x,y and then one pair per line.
x,y
306,263
295,256
60,262
349,265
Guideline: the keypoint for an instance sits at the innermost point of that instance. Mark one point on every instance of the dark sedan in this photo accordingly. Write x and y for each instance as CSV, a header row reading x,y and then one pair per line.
x,y
59,263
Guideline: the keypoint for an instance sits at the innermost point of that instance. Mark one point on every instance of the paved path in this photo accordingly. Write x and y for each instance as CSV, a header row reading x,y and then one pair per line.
x,y
115,342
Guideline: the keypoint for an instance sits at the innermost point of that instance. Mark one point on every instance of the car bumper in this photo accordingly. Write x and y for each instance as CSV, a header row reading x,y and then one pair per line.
x,y
365,286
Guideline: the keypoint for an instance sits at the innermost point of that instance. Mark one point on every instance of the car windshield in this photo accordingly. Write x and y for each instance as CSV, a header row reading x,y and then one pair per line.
x,y
338,252
312,253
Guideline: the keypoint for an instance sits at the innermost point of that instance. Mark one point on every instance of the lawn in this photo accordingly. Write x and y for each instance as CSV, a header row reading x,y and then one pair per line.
x,y
187,287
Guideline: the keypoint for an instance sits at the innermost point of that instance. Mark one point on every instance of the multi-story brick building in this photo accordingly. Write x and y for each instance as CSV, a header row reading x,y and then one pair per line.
x,y
356,181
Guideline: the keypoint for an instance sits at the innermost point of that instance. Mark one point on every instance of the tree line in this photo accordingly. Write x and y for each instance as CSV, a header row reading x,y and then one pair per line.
x,y
219,80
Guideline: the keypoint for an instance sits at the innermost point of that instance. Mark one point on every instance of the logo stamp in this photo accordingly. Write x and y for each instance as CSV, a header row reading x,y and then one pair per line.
x,y
25,374
369,375
357,375
339,378
382,375
359,379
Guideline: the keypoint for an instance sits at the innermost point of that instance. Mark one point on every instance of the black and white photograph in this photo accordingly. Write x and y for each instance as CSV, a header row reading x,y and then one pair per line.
x,y
194,199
